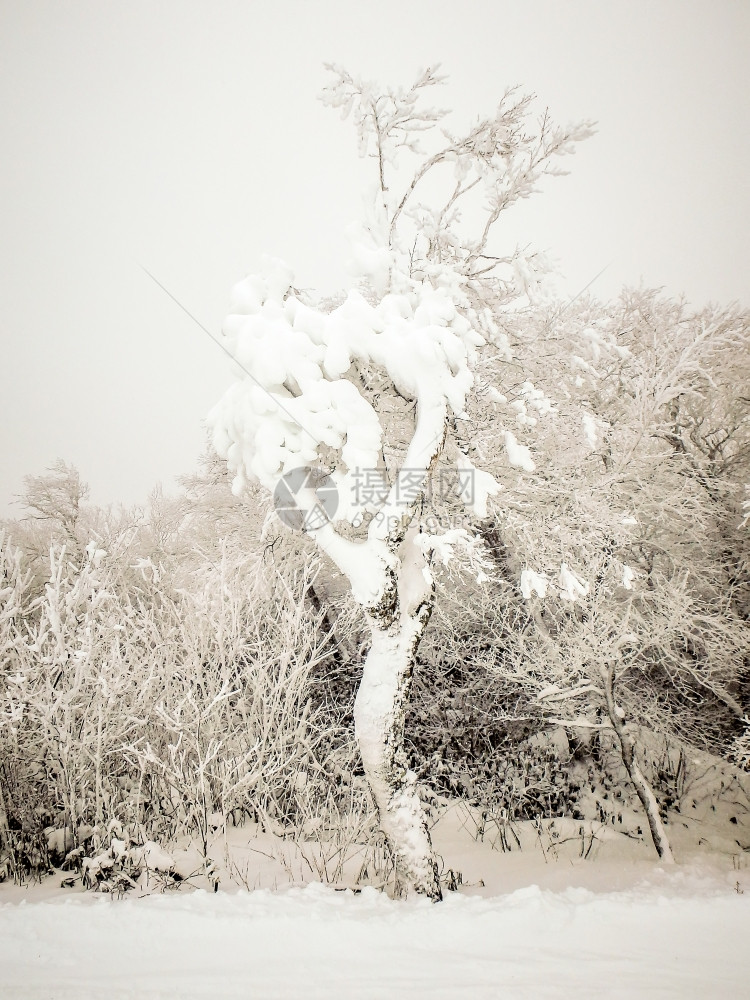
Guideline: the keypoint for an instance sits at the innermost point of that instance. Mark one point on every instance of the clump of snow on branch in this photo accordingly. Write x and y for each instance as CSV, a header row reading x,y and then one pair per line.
x,y
531,273
745,522
475,486
518,454
445,547
590,429
533,583
571,587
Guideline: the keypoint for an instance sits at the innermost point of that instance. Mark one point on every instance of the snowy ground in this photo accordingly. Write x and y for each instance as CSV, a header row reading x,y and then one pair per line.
x,y
682,937
538,922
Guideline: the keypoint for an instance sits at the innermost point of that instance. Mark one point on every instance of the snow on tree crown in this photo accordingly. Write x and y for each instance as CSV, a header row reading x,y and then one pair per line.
x,y
426,303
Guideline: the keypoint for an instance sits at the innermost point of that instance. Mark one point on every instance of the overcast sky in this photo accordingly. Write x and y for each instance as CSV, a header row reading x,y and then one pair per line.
x,y
186,138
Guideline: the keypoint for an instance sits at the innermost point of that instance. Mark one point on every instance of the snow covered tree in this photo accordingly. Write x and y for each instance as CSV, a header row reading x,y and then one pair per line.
x,y
57,497
366,396
625,544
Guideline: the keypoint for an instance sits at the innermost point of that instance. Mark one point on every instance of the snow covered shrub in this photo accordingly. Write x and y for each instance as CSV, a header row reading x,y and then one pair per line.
x,y
158,677
120,867
462,718
25,858
71,698
335,835
15,606
233,722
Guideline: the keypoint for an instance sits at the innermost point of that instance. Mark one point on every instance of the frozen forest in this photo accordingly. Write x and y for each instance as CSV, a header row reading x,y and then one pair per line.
x,y
453,611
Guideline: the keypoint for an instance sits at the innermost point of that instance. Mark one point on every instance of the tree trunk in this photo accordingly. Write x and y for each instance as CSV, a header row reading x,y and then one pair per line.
x,y
379,714
642,787
4,826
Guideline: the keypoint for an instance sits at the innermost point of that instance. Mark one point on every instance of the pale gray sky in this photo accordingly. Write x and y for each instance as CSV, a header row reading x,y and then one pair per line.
x,y
187,137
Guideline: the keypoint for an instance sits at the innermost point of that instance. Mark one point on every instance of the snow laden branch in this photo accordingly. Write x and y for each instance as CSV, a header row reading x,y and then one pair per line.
x,y
385,121
305,405
479,173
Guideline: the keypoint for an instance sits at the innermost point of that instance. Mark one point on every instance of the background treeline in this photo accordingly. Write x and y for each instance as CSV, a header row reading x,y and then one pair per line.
x,y
176,667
